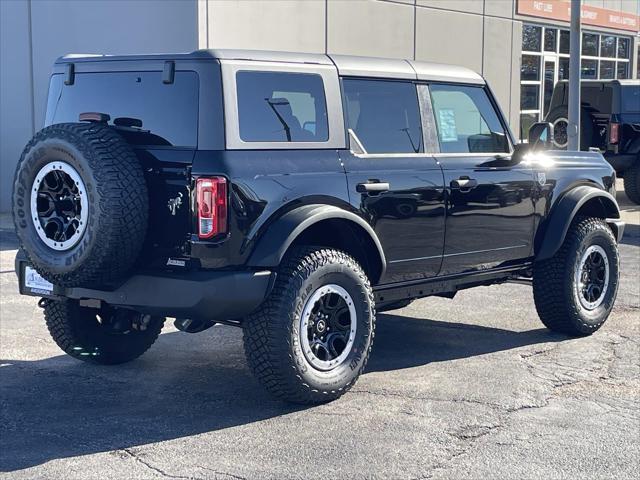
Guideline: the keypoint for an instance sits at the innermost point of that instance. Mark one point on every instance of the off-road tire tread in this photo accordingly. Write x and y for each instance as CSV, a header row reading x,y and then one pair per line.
x,y
632,182
267,332
556,312
123,208
58,317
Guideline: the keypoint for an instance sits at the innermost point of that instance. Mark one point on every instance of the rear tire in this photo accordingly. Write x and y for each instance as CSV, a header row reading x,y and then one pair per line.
x,y
632,182
299,344
108,336
574,291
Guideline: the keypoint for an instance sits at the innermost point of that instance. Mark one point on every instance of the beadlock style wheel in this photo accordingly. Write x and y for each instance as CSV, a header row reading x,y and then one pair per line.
x,y
328,327
575,290
592,277
560,132
310,340
59,206
80,204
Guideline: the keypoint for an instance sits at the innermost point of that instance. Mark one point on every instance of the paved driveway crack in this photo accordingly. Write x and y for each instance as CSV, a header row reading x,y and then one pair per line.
x,y
161,472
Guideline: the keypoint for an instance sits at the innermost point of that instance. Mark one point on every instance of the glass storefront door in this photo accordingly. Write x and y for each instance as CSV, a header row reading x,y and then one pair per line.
x,y
550,79
545,61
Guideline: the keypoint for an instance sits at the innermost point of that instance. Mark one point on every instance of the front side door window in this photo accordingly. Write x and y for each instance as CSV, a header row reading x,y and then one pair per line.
x,y
467,121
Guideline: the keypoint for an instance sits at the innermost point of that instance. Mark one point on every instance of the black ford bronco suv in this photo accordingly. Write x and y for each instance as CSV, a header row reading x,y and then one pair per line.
x,y
609,123
293,195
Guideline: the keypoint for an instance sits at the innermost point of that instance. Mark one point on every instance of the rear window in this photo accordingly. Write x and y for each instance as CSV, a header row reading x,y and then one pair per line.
x,y
598,97
169,111
281,107
631,98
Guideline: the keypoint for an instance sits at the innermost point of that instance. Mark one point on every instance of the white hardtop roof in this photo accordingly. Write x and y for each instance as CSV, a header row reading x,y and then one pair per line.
x,y
347,65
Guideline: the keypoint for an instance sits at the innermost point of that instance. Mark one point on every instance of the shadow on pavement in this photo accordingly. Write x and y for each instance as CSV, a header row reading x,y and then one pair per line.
x,y
404,342
631,235
58,407
8,240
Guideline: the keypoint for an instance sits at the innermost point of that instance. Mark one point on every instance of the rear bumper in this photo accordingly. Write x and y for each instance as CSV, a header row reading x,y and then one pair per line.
x,y
200,295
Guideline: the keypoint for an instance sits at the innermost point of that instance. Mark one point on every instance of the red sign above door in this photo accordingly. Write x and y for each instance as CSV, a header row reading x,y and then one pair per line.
x,y
561,10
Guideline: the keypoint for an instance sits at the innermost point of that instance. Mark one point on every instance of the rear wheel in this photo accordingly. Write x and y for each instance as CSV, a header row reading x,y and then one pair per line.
x,y
632,182
310,341
106,336
574,291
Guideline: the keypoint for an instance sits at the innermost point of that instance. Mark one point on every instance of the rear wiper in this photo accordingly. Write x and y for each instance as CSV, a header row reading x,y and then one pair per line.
x,y
286,127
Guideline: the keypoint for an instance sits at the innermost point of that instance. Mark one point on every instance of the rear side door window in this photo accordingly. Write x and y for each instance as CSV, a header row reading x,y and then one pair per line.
x,y
466,120
384,115
281,107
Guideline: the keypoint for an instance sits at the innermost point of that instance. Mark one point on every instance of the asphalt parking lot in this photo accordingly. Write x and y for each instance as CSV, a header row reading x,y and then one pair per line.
x,y
471,388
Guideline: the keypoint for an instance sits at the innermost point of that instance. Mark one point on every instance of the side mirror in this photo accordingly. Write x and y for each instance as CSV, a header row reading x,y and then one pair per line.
x,y
540,135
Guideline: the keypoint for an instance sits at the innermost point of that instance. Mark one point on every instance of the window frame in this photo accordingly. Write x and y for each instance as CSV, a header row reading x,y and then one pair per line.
x,y
496,108
332,93
348,134
428,121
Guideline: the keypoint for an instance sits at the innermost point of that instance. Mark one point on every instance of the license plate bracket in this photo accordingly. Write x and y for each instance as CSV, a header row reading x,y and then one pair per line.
x,y
32,283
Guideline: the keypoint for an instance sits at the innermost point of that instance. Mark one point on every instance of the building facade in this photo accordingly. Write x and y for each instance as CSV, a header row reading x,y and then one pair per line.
x,y
520,46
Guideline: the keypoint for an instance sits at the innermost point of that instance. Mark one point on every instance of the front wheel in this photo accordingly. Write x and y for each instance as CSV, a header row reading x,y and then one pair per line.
x,y
309,342
574,291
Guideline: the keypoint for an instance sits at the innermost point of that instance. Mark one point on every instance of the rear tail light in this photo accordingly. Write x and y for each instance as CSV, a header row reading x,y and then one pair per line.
x,y
614,133
211,194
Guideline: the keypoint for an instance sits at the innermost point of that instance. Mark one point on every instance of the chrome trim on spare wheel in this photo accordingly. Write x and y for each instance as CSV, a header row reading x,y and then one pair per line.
x,y
328,327
592,277
59,206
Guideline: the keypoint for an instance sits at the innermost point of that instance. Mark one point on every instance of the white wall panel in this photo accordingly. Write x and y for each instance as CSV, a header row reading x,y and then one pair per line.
x,y
15,91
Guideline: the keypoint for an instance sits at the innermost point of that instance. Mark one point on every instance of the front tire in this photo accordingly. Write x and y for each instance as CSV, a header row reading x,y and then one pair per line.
x,y
106,336
310,341
574,291
632,182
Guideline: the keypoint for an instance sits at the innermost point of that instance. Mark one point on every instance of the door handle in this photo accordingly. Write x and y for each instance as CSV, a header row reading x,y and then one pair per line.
x,y
464,183
372,187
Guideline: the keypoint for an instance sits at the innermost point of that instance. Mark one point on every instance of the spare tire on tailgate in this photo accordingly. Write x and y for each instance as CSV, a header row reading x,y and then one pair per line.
x,y
80,204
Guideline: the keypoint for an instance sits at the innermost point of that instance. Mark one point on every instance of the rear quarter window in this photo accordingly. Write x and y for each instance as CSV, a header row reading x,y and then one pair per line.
x,y
169,111
281,107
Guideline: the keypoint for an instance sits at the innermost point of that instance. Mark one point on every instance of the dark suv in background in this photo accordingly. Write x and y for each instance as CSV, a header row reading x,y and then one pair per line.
x,y
294,195
609,122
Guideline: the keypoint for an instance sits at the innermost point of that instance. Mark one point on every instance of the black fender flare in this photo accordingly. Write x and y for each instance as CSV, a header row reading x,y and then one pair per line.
x,y
563,213
272,246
